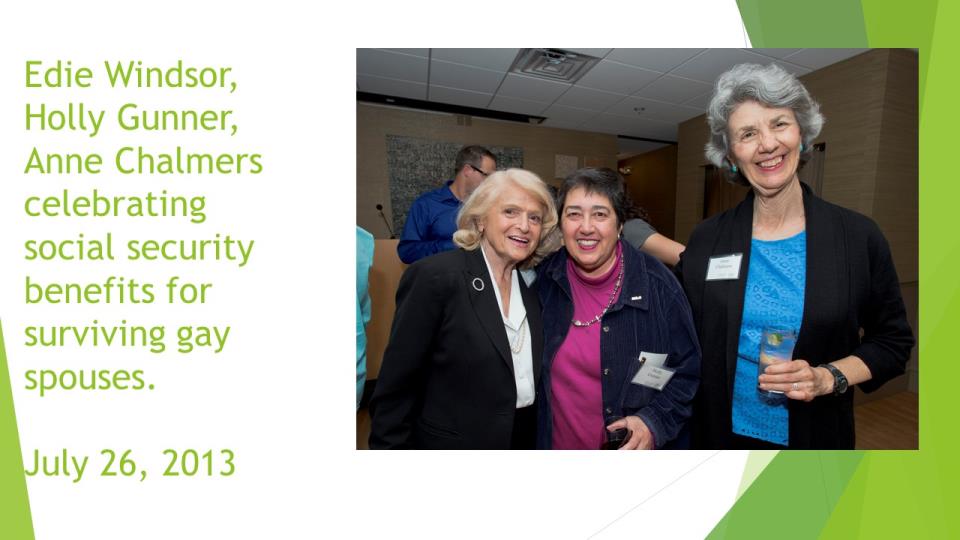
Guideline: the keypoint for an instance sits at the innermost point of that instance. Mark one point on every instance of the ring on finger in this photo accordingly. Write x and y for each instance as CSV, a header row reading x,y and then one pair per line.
x,y
796,386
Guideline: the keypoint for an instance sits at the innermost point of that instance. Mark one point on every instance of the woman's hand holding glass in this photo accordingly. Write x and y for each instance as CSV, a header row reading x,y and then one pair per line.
x,y
797,379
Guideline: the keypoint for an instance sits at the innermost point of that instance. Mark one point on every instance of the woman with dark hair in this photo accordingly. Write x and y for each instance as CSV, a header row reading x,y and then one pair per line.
x,y
620,352
785,265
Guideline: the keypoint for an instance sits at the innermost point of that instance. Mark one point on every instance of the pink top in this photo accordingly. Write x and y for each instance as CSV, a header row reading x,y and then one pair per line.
x,y
577,400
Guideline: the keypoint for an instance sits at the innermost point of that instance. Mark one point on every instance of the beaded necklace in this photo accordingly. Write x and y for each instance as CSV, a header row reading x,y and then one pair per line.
x,y
613,298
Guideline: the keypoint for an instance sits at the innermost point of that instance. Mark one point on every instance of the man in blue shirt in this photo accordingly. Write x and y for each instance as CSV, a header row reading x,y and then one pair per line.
x,y
432,218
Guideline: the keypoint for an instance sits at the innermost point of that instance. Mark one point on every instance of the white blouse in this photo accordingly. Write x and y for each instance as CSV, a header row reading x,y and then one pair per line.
x,y
518,336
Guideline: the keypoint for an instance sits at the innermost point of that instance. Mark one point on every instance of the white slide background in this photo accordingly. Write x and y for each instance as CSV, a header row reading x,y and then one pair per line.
x,y
281,394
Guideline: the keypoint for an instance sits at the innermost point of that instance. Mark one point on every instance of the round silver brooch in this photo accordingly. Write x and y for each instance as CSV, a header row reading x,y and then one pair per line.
x,y
478,284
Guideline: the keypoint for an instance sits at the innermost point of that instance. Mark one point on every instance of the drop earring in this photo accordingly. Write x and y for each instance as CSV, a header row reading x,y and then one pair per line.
x,y
801,148
733,168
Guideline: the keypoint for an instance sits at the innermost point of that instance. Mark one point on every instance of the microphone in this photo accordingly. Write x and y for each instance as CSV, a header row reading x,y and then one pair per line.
x,y
385,222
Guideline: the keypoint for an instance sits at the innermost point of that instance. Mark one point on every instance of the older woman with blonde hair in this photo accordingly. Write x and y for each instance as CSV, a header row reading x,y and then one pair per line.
x,y
461,367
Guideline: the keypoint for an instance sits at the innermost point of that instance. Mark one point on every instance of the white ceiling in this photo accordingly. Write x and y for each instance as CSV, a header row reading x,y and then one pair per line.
x,y
634,92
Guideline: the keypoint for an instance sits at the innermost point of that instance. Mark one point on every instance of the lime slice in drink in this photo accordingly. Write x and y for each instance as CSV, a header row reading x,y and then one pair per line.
x,y
774,339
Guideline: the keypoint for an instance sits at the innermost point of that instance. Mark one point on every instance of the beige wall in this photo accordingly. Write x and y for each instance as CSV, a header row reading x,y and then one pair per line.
x,y
870,102
540,146
652,184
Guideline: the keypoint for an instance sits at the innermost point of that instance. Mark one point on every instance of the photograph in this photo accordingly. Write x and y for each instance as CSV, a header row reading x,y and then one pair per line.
x,y
637,249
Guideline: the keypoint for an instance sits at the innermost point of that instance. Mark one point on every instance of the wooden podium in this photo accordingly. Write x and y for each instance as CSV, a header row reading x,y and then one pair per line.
x,y
384,278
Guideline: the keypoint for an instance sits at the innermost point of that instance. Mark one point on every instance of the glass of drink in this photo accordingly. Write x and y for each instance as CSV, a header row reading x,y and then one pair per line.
x,y
776,345
613,440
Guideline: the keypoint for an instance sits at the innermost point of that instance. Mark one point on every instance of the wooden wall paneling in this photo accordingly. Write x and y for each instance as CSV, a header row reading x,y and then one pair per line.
x,y
850,94
896,193
692,136
652,184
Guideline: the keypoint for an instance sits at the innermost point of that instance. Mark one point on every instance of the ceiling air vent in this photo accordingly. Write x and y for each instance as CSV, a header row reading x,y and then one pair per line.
x,y
553,64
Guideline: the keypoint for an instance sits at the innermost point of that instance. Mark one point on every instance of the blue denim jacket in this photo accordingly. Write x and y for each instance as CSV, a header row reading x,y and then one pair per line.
x,y
652,315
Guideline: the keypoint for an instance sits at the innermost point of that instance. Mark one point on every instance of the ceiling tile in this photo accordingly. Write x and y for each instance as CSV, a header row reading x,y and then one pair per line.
x,y
425,53
456,96
617,78
792,68
655,110
673,89
598,53
391,87
568,114
652,129
463,77
700,102
391,64
662,60
632,127
532,89
588,98
609,123
707,66
773,53
515,105
495,59
818,58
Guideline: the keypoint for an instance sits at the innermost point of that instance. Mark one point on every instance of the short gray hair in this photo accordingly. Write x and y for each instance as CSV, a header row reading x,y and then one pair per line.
x,y
771,86
488,193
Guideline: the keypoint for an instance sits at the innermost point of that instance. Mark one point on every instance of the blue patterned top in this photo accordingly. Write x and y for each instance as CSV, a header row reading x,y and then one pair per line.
x,y
776,281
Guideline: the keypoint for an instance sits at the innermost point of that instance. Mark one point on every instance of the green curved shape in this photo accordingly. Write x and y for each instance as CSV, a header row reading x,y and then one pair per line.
x,y
794,484
896,495
881,494
906,25
817,23
913,494
14,504
754,466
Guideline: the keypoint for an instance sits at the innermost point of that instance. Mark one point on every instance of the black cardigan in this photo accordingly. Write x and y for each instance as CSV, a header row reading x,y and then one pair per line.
x,y
851,284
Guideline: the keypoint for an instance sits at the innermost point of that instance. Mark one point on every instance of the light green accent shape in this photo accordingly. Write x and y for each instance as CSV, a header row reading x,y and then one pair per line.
x,y
902,25
15,519
818,23
913,494
757,461
892,494
795,483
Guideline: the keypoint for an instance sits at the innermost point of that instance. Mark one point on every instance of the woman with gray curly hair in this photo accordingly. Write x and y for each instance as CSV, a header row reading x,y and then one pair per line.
x,y
461,367
795,299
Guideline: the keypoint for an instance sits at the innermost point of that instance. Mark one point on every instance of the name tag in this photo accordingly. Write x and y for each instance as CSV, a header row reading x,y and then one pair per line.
x,y
724,267
652,374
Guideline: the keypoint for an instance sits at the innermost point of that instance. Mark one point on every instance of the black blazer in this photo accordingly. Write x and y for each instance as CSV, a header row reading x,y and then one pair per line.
x,y
447,377
851,283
